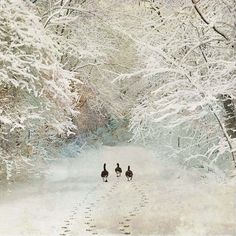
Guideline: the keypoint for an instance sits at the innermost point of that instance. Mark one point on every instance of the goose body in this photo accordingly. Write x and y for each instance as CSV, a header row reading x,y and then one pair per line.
x,y
118,170
104,173
129,174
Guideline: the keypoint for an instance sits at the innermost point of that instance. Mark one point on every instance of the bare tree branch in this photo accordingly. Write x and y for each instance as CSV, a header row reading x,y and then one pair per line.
x,y
206,21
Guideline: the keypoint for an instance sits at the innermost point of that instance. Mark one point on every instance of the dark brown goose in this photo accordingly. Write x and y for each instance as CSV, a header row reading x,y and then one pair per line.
x,y
104,173
129,174
118,170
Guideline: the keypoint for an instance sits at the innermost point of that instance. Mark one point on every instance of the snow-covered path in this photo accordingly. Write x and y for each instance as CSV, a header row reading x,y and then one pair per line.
x,y
161,200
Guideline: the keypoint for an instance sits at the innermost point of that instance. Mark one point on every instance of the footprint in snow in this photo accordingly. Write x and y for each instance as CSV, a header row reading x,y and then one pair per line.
x,y
126,226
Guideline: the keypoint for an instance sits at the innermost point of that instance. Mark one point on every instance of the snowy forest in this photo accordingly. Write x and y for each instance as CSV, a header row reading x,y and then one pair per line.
x,y
78,76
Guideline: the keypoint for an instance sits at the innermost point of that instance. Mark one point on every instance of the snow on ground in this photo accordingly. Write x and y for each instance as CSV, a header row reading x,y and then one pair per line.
x,y
161,199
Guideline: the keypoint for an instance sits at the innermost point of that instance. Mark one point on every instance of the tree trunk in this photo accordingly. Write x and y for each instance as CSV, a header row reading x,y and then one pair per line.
x,y
230,121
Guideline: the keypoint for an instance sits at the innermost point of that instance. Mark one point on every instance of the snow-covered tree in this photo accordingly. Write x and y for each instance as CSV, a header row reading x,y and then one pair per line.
x,y
36,98
189,55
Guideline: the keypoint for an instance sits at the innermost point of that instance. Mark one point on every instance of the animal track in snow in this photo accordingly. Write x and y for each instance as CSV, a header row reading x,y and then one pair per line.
x,y
69,222
140,202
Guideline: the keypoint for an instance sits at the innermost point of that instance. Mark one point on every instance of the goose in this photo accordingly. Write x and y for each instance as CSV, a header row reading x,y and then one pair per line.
x,y
118,170
129,174
104,173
